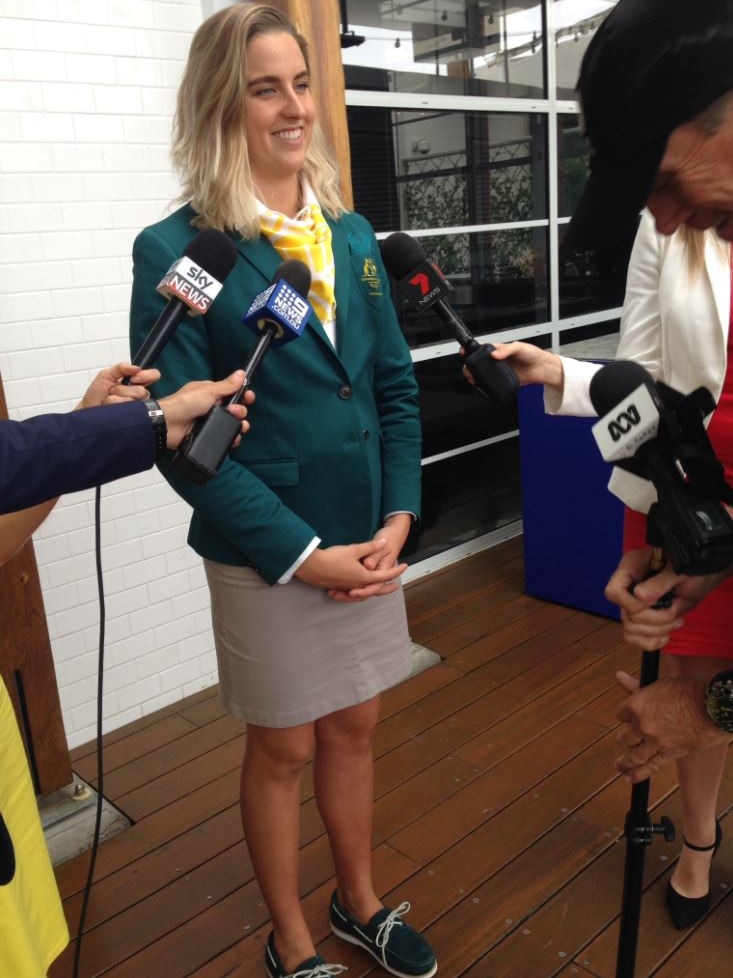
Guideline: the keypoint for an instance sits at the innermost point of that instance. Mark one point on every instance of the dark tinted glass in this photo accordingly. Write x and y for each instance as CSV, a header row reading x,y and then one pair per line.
x,y
453,413
572,164
591,281
467,496
455,47
420,169
576,21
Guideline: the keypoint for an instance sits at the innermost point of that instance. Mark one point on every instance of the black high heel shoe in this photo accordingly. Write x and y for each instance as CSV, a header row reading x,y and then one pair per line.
x,y
686,911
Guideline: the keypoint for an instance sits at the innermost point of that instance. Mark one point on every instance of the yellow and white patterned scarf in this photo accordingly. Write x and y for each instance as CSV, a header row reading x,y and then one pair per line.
x,y
306,237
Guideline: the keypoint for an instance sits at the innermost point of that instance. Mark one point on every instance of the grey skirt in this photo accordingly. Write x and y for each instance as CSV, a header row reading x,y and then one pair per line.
x,y
289,654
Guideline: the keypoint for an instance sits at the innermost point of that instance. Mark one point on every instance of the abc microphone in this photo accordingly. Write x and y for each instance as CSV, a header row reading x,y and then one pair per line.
x,y
425,287
277,315
191,284
658,433
631,413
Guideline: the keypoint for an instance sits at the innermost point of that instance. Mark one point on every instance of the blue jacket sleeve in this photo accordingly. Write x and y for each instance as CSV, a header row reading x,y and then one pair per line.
x,y
53,454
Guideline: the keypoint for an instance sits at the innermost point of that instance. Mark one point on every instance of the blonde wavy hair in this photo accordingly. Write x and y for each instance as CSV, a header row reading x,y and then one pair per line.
x,y
694,242
209,149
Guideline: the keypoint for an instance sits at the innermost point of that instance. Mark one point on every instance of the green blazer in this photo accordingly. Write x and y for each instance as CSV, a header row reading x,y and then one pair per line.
x,y
334,443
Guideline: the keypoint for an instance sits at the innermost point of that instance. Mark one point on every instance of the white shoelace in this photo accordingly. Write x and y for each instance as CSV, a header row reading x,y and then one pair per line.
x,y
321,971
385,928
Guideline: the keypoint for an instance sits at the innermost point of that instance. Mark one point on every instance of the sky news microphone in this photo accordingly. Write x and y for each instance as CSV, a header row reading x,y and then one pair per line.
x,y
277,315
425,287
658,433
191,284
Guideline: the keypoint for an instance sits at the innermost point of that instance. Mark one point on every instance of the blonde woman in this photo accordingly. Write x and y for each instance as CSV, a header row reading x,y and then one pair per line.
x,y
302,528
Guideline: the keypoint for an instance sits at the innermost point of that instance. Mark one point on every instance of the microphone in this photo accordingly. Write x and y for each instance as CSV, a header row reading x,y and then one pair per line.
x,y
191,284
625,397
425,287
277,315
658,433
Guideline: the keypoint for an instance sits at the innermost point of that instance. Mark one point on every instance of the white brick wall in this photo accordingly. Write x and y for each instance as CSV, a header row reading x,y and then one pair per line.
x,y
88,89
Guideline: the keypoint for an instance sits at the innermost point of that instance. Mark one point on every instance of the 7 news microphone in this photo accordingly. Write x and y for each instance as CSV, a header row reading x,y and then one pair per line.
x,y
658,433
277,315
191,284
425,287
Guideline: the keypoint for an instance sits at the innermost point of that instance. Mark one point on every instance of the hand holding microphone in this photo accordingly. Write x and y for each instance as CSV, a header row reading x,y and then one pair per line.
x,y
192,401
119,383
277,315
425,287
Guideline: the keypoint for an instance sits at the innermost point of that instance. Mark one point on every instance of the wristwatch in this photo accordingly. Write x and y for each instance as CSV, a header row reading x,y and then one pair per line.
x,y
160,428
719,700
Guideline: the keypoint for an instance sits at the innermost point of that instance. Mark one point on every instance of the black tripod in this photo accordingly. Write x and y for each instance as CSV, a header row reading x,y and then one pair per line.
x,y
639,831
688,525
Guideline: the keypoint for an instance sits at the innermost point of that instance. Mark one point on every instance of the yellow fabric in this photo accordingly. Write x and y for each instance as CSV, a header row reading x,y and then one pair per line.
x,y
306,237
33,930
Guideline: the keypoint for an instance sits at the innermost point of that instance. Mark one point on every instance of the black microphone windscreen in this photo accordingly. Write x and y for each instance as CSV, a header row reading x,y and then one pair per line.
x,y
613,383
401,254
296,273
213,251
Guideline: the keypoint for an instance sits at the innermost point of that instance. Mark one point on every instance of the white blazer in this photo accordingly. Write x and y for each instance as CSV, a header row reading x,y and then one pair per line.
x,y
675,326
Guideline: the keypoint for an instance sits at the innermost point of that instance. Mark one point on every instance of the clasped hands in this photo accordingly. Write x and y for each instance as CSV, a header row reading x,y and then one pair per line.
x,y
357,571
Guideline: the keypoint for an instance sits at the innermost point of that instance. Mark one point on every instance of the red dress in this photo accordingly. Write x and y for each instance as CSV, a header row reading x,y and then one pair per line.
x,y
708,627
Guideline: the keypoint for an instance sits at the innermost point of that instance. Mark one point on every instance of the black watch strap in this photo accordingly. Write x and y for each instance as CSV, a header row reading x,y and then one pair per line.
x,y
160,428
719,700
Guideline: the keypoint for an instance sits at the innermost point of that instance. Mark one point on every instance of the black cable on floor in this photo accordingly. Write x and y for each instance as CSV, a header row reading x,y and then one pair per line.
x,y
100,764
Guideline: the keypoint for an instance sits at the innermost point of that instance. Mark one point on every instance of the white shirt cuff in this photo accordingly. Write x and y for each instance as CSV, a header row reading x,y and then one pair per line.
x,y
303,557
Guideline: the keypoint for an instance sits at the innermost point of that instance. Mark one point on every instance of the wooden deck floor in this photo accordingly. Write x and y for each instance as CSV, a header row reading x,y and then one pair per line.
x,y
498,814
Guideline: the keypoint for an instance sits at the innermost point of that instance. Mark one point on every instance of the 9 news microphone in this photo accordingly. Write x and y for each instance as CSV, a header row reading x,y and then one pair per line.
x,y
425,287
638,431
277,315
191,284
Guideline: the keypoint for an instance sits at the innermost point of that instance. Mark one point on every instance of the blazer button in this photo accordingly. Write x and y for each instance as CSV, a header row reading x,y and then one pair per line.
x,y
366,434
345,392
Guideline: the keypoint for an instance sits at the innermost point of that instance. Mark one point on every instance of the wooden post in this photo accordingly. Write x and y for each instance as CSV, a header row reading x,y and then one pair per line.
x,y
319,24
27,668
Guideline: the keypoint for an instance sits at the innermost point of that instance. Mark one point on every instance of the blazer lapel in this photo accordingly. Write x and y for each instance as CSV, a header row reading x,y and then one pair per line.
x,y
260,254
342,263
719,276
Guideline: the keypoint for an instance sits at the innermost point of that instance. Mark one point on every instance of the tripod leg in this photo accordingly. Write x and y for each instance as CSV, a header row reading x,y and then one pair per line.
x,y
639,832
638,835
